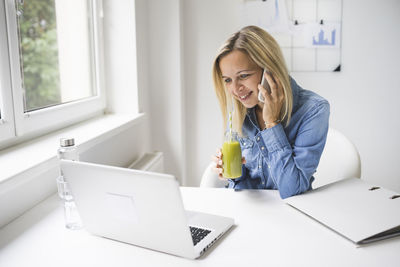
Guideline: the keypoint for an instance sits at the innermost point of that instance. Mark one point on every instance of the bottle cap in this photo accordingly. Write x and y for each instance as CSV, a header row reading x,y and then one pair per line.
x,y
64,142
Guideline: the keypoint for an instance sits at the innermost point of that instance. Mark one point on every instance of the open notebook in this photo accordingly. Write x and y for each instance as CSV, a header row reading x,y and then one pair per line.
x,y
359,211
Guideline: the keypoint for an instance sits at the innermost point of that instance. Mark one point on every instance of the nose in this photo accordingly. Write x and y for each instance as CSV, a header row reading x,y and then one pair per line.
x,y
237,86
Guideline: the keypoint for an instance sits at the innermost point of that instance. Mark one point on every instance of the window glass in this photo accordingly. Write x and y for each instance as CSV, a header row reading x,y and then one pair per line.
x,y
55,51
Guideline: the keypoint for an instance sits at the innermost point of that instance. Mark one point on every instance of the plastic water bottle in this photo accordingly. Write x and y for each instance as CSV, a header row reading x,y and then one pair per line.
x,y
68,151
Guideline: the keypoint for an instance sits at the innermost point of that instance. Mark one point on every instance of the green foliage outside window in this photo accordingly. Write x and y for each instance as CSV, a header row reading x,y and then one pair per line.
x,y
39,53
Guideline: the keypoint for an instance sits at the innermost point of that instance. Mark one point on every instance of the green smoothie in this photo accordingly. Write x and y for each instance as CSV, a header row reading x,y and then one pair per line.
x,y
232,159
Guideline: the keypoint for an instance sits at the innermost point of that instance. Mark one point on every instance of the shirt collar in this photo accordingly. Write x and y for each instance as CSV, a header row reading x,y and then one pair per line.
x,y
251,114
295,93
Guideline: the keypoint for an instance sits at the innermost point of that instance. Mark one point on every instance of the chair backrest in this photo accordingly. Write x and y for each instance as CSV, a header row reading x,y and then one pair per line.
x,y
211,179
339,160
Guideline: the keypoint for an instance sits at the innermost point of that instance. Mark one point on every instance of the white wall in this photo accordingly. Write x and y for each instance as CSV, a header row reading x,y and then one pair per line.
x,y
165,95
363,96
207,24
120,56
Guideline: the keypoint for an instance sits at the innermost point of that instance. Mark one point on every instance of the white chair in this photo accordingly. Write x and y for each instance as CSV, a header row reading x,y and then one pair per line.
x,y
339,160
211,179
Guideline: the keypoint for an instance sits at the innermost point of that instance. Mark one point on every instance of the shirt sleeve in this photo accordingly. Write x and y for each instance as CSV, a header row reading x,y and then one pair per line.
x,y
291,166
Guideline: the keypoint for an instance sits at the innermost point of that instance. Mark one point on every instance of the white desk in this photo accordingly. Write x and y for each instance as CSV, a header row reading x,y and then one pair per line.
x,y
267,233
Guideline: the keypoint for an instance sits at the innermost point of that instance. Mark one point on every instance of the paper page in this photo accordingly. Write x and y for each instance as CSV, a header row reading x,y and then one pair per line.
x,y
270,15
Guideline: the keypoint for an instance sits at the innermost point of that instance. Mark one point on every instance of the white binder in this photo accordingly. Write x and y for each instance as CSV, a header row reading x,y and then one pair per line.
x,y
359,211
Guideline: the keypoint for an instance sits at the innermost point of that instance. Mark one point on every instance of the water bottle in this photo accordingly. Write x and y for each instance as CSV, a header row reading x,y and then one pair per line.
x,y
68,151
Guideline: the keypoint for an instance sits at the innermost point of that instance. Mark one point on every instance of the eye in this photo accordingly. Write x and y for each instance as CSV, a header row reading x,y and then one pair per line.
x,y
244,76
227,80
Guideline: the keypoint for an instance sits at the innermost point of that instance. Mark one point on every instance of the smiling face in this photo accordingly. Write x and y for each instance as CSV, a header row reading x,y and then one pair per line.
x,y
241,77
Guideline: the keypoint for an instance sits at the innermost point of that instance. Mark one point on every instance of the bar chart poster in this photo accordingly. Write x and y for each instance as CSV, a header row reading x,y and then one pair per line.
x,y
314,39
322,35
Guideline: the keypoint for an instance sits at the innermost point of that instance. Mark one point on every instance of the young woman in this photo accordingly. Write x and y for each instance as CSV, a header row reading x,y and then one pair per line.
x,y
281,139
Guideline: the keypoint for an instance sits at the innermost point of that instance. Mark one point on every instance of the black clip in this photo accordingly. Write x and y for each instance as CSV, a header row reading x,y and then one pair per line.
x,y
394,197
374,188
321,22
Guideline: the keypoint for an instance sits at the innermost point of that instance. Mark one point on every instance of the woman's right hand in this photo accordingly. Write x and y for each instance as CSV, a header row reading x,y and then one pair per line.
x,y
217,159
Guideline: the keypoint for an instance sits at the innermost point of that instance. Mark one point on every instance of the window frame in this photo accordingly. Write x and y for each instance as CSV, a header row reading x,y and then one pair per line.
x,y
7,126
34,123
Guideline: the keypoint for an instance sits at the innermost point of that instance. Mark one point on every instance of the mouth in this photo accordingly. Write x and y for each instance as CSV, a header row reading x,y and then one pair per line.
x,y
245,97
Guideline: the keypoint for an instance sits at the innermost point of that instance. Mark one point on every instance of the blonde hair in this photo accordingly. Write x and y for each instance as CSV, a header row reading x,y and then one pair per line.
x,y
265,52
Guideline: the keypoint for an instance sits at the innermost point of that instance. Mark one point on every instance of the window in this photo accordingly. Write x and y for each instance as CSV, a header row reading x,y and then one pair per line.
x,y
54,55
7,127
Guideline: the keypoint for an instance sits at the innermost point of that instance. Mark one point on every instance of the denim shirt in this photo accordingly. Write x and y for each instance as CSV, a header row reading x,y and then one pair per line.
x,y
285,158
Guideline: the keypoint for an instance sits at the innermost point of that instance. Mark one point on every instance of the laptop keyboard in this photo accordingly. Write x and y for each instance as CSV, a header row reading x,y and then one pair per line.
x,y
198,234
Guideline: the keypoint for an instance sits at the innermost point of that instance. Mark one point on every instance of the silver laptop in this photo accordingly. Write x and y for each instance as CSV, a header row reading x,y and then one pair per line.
x,y
140,208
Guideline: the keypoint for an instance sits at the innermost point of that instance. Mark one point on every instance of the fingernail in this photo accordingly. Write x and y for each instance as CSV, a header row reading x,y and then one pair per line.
x,y
220,162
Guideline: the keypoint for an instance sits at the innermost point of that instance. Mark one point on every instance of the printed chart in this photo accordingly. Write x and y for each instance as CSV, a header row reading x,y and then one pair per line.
x,y
308,31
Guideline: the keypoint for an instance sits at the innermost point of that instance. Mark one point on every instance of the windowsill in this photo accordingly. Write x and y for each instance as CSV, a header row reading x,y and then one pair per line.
x,y
19,158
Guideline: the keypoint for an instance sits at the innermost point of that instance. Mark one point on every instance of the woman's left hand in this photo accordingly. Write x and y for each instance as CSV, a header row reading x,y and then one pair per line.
x,y
273,102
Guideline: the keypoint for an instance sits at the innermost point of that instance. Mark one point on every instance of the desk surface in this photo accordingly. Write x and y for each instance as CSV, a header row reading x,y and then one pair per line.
x,y
267,232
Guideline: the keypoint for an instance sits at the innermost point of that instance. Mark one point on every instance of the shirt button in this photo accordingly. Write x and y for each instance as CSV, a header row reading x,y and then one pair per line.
x,y
244,144
258,138
262,148
269,166
259,166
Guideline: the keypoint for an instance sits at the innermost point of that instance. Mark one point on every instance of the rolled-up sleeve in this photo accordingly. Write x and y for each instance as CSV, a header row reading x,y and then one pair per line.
x,y
291,166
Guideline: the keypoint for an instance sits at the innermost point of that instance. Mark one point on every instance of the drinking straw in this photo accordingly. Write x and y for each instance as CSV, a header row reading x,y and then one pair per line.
x,y
230,126
230,120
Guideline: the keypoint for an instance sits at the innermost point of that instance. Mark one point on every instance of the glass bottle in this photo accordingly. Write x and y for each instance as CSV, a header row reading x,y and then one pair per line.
x,y
231,156
68,151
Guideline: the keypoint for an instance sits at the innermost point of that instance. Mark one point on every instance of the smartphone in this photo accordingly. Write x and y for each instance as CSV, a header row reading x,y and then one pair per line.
x,y
264,83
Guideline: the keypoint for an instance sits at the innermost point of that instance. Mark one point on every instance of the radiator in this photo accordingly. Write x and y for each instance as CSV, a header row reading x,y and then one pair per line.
x,y
153,162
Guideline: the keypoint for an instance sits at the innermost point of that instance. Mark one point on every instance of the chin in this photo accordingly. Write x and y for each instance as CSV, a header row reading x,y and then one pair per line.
x,y
250,104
